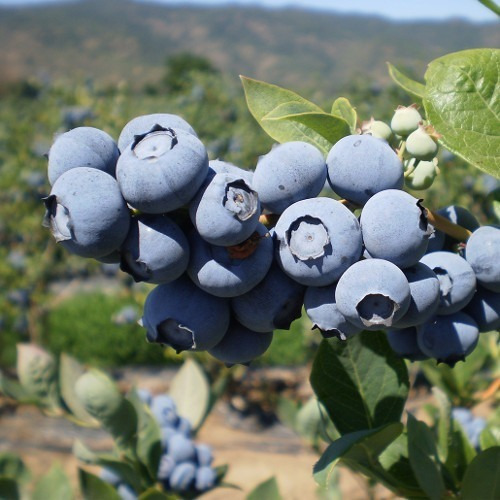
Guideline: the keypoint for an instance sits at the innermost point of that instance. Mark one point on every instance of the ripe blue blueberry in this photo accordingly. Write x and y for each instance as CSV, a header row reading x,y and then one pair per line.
x,y
404,343
290,172
395,227
320,306
183,476
241,345
205,478
164,410
373,294
226,210
185,317
483,254
361,165
318,239
87,213
224,167
126,492
155,250
484,308
162,170
165,467
143,124
277,298
204,455
448,338
424,290
181,448
216,271
82,147
457,282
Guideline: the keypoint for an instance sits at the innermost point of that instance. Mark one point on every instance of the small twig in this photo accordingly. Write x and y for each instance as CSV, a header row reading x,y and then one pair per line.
x,y
443,224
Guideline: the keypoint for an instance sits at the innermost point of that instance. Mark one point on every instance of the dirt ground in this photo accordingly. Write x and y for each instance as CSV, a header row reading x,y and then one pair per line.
x,y
254,453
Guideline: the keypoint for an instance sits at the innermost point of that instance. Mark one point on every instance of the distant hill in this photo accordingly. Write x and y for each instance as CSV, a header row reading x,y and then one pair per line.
x,y
115,40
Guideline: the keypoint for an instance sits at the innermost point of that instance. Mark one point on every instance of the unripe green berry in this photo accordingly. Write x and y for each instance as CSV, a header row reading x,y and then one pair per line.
x,y
98,394
378,129
423,175
405,121
421,145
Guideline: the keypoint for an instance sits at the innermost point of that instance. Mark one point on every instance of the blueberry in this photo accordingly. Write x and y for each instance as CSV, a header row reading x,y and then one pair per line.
x,y
155,250
423,175
361,165
166,434
184,426
109,476
145,396
395,227
373,294
126,492
164,410
165,467
318,239
241,345
162,170
457,282
420,145
290,172
185,317
424,290
226,210
378,129
404,343
405,120
218,272
183,476
448,338
82,147
320,306
463,415
483,254
205,478
87,213
142,124
484,308
224,167
277,298
204,454
181,448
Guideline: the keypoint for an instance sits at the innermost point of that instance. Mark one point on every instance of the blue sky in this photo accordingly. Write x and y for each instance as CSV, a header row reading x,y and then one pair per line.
x,y
394,9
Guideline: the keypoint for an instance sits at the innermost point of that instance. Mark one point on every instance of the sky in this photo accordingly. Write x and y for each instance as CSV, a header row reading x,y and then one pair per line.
x,y
393,9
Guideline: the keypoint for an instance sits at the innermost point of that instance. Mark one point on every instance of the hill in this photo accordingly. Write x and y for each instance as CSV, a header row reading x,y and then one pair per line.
x,y
115,40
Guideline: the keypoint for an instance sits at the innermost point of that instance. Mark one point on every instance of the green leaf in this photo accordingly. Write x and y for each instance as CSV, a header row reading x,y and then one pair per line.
x,y
423,458
148,436
309,421
120,468
343,108
413,87
267,490
12,466
482,478
54,484
490,437
444,428
155,494
358,447
262,98
361,382
287,410
13,389
462,102
190,390
332,128
491,4
394,459
9,489
94,488
69,372
460,453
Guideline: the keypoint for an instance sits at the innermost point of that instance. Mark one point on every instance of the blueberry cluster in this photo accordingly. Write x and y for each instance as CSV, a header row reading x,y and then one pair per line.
x,y
235,253
185,466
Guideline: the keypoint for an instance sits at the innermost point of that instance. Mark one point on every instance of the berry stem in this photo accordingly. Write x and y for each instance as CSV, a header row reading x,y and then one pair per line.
x,y
454,230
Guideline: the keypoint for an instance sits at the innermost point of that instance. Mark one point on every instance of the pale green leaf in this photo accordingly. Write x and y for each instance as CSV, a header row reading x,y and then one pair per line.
x,y
94,488
462,102
54,484
489,437
262,98
343,108
413,87
267,490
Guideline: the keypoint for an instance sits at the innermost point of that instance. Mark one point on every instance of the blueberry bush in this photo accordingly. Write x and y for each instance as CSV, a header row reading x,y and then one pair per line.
x,y
331,219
